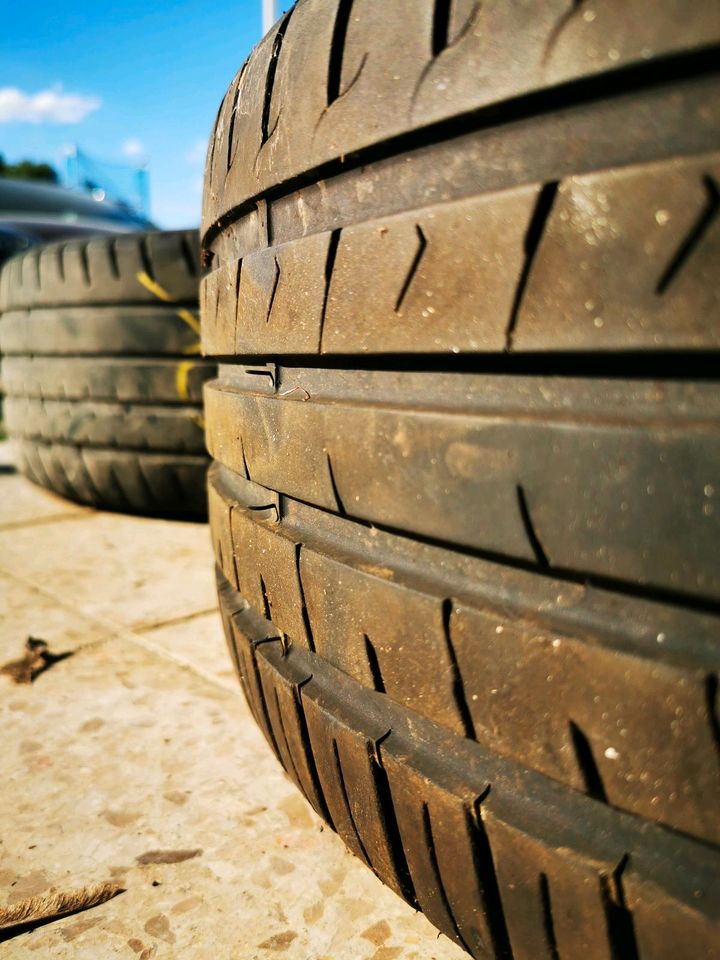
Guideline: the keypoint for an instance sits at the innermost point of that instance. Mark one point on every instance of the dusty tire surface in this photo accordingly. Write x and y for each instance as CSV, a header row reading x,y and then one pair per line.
x,y
102,373
463,294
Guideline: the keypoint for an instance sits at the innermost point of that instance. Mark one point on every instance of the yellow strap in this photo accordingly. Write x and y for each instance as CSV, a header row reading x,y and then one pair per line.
x,y
184,368
162,294
181,378
155,289
190,320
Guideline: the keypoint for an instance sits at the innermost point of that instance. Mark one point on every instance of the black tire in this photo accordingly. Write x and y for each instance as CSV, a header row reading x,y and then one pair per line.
x,y
103,382
464,289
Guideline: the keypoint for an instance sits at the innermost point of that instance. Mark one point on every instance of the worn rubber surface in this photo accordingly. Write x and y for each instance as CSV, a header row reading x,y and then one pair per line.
x,y
102,374
502,860
463,291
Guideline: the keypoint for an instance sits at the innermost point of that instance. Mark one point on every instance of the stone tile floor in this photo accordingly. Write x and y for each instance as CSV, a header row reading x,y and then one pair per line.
x,y
141,741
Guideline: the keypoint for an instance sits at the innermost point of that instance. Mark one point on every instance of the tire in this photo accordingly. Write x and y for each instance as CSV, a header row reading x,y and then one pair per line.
x,y
463,288
103,381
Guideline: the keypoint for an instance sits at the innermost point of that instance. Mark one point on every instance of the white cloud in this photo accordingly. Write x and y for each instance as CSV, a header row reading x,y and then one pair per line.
x,y
47,106
133,147
196,153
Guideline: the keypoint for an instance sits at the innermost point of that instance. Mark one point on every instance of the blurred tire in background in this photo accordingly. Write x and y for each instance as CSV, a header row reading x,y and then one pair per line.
x,y
102,373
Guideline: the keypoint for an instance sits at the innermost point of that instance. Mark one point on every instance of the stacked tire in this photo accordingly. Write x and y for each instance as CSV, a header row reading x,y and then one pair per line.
x,y
100,345
464,288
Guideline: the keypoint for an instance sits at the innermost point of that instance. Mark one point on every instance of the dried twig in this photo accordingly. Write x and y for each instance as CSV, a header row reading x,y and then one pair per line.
x,y
36,659
53,906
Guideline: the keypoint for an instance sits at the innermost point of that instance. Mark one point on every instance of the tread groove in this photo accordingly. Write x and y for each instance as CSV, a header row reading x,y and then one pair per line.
x,y
145,258
238,281
84,264
392,830
60,254
90,480
574,7
269,230
270,78
533,236
370,652
414,267
276,283
231,129
148,492
246,468
329,268
47,481
540,556
293,773
711,696
337,50
335,490
457,685
310,756
123,498
346,801
262,704
485,871
68,482
693,238
113,258
266,602
188,256
619,919
594,786
440,26
303,602
548,921
442,893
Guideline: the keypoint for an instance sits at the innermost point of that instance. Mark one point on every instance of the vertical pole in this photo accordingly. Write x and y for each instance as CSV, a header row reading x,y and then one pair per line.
x,y
72,178
143,181
270,14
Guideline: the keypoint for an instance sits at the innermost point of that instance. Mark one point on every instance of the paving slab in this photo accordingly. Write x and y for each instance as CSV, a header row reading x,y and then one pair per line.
x,y
198,642
116,568
26,612
23,502
139,748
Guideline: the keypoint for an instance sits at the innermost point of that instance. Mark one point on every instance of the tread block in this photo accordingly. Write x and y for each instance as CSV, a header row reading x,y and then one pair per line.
x,y
125,380
383,634
151,330
386,89
354,785
552,899
103,270
505,861
155,483
436,834
593,735
628,260
636,509
157,428
467,665
267,573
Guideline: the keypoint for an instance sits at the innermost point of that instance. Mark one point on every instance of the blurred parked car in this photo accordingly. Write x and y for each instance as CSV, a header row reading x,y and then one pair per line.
x,y
33,213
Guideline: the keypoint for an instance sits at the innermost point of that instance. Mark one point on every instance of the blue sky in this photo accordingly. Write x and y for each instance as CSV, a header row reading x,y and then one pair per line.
x,y
125,81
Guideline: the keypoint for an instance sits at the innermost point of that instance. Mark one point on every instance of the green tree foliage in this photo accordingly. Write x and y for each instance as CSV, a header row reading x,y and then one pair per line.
x,y
28,170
